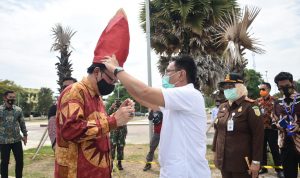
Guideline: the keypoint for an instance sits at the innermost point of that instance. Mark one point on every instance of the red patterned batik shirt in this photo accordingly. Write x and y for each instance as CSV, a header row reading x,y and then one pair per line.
x,y
82,127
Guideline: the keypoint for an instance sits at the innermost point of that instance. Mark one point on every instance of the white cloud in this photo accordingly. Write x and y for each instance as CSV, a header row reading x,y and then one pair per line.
x,y
278,28
25,56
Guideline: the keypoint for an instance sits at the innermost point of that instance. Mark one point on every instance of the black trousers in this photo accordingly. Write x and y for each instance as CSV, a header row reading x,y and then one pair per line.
x,y
5,155
290,161
226,174
153,145
271,139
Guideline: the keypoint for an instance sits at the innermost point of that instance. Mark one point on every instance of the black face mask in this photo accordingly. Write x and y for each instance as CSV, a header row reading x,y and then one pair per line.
x,y
287,91
11,101
105,88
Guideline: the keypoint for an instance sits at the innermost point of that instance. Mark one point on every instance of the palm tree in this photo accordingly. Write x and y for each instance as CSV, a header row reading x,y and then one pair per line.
x,y
62,43
187,27
233,32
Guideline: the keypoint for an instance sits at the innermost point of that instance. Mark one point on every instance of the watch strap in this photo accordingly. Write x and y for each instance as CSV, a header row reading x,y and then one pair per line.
x,y
117,70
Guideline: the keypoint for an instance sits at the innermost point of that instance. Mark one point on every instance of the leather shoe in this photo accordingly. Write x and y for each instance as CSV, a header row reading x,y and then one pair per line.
x,y
147,167
119,165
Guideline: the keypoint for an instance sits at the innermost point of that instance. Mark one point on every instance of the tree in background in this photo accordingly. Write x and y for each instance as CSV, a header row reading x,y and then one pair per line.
x,y
252,80
121,93
198,28
25,103
45,100
233,31
9,85
26,98
62,43
187,27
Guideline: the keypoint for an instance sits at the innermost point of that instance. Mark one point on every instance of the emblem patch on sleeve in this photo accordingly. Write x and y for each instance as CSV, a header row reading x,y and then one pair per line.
x,y
256,110
240,109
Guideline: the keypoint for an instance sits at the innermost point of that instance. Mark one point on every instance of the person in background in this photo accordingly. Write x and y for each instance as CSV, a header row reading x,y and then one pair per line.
x,y
238,139
287,113
11,123
52,113
117,137
214,112
156,117
266,104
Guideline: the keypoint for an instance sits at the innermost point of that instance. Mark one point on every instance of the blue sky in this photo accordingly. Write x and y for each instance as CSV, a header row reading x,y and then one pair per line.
x,y
25,36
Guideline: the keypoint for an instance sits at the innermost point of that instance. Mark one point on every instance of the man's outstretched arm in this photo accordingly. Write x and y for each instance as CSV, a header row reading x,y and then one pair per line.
x,y
147,96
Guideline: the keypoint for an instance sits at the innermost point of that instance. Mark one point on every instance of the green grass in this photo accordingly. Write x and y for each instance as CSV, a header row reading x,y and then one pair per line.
x,y
41,167
134,161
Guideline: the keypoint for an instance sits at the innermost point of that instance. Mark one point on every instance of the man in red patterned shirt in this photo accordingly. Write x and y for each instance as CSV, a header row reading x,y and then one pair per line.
x,y
266,105
82,125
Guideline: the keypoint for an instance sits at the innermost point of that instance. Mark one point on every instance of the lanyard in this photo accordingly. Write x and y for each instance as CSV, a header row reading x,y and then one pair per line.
x,y
291,111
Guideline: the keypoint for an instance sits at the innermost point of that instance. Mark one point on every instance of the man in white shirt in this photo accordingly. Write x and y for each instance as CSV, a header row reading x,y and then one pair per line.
x,y
183,140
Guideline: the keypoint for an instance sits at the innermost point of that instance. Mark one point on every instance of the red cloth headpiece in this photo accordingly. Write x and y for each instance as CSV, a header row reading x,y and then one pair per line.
x,y
114,39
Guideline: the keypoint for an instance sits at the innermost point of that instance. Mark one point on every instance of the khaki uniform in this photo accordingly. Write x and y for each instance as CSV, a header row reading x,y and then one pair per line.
x,y
246,139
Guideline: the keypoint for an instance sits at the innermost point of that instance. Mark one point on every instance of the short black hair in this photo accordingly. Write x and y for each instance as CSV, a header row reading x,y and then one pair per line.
x,y
94,65
267,84
69,78
8,92
283,76
187,63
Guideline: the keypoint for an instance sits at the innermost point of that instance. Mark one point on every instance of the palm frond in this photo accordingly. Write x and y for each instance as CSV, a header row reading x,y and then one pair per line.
x,y
233,31
62,37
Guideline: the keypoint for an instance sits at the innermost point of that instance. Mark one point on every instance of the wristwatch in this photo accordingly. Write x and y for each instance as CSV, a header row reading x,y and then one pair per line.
x,y
256,162
117,70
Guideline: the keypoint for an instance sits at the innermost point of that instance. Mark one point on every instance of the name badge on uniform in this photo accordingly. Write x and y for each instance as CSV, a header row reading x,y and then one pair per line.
x,y
230,123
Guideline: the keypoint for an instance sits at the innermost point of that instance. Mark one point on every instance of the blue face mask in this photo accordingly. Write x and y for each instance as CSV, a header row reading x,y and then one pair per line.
x,y
166,82
231,94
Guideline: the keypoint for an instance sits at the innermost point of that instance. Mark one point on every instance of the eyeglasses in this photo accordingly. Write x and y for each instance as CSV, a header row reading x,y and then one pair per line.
x,y
263,89
169,70
111,79
63,87
282,87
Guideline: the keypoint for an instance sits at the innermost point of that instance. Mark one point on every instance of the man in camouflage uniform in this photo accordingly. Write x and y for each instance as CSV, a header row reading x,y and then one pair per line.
x,y
117,138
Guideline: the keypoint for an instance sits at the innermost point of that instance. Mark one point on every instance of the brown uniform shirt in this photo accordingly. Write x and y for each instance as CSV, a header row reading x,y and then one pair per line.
x,y
266,107
246,139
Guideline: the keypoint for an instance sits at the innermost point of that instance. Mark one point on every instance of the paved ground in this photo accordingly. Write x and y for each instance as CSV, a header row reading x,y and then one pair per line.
x,y
138,132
